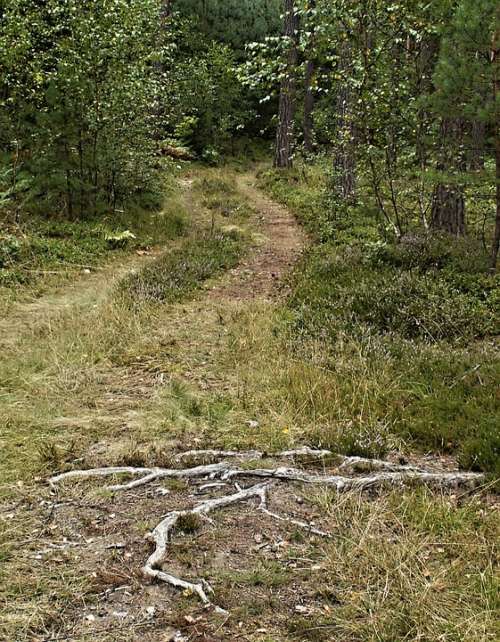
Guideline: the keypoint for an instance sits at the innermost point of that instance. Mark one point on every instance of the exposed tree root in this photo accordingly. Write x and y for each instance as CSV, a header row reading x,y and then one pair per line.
x,y
146,475
383,473
162,533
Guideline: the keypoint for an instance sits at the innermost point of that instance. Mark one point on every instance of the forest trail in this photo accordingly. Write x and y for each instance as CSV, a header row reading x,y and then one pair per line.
x,y
280,242
85,291
105,412
89,382
257,275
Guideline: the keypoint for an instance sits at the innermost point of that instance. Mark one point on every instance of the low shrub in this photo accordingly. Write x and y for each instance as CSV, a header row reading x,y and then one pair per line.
x,y
336,288
405,330
178,273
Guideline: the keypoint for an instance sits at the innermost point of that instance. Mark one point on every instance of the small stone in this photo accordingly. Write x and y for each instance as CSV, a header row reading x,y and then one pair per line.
x,y
258,538
162,491
171,635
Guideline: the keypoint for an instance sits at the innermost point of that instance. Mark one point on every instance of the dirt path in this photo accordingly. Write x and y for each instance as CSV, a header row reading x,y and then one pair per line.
x,y
88,383
280,241
84,292
125,404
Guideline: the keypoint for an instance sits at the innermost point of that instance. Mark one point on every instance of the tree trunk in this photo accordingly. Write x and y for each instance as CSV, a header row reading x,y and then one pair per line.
x,y
496,236
495,57
309,101
344,160
448,200
478,139
448,210
284,134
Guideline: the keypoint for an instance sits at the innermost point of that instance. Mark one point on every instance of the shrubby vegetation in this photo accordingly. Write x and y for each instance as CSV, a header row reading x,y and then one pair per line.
x,y
177,274
90,93
78,83
420,315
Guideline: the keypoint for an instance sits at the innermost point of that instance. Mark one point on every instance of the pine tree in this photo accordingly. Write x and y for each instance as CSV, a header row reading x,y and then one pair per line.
x,y
467,78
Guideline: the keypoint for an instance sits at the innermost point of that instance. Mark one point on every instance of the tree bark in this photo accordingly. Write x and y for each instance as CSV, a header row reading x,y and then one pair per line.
x,y
285,135
448,200
448,210
478,140
309,101
496,132
344,160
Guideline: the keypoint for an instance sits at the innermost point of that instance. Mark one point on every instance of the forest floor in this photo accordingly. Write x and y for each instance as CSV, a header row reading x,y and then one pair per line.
x,y
90,379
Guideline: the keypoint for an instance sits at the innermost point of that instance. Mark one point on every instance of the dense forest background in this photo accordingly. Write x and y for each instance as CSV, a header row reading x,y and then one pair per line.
x,y
403,97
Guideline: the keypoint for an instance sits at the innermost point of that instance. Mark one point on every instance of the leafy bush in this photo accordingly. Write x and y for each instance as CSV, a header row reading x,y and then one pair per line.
x,y
334,288
176,274
10,247
403,330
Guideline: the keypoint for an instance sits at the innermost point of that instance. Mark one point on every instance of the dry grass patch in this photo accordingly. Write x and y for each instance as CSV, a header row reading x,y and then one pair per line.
x,y
409,567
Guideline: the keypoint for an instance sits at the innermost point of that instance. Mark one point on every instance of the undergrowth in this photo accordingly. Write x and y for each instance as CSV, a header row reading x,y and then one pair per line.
x,y
413,324
181,271
38,247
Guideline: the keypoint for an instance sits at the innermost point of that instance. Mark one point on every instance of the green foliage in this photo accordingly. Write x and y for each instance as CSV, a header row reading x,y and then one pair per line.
x,y
465,71
77,86
339,289
41,245
177,274
407,316
233,22
207,105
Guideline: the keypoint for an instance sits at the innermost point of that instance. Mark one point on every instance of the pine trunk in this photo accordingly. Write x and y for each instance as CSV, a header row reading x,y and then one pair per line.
x,y
344,160
285,134
478,136
495,57
448,210
309,101
448,200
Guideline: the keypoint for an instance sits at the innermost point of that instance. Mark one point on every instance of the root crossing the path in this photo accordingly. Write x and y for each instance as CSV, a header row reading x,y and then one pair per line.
x,y
220,474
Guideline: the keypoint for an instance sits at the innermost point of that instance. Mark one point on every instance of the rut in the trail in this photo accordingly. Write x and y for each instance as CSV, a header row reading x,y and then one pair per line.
x,y
86,291
281,241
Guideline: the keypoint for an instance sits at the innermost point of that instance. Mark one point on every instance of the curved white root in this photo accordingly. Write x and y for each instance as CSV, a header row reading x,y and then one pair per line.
x,y
362,464
341,484
383,474
161,536
146,475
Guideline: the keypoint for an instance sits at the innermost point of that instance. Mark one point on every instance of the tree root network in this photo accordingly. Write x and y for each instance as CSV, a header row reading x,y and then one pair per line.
x,y
375,474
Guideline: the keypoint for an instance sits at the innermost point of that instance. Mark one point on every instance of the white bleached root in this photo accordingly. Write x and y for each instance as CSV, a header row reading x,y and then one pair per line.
x,y
161,537
146,475
342,484
382,474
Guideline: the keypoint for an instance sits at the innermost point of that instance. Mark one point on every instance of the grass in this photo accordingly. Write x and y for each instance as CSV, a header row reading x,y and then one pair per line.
x,y
133,384
177,274
405,567
40,251
393,344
